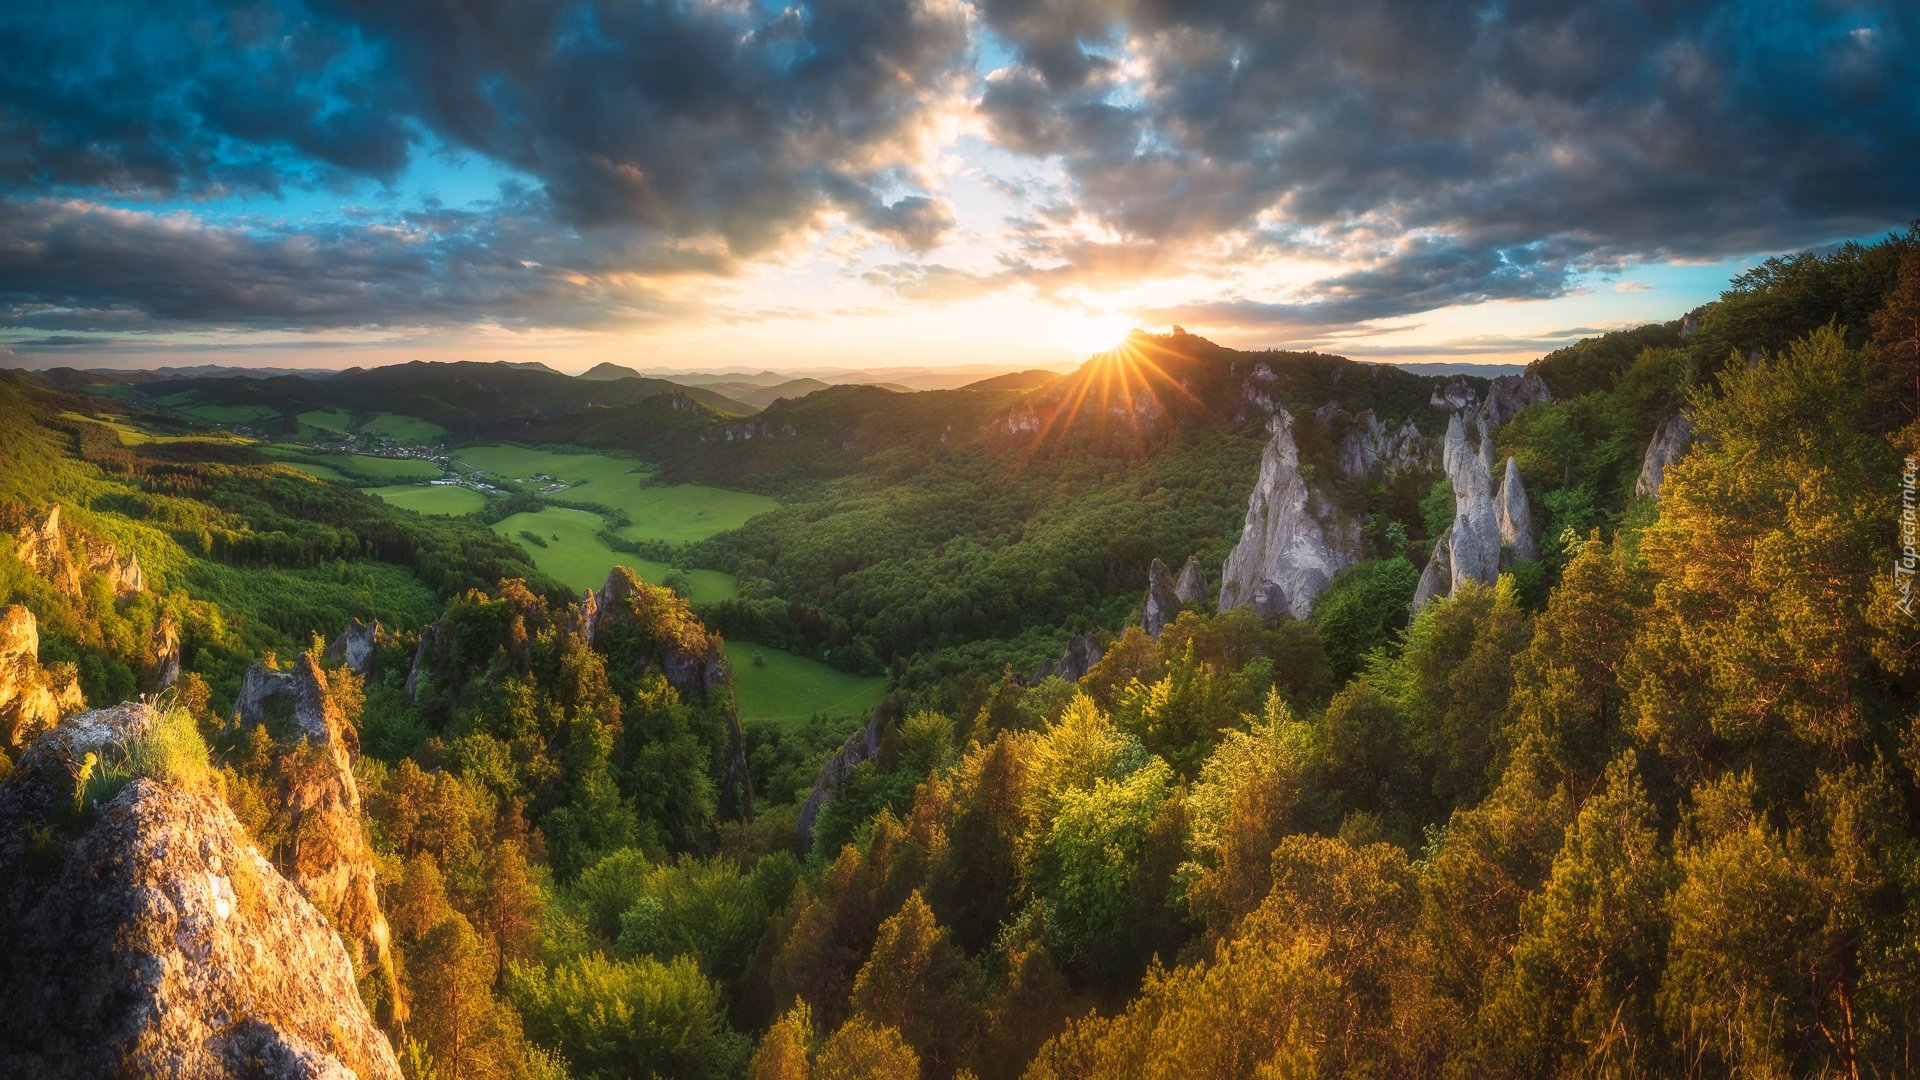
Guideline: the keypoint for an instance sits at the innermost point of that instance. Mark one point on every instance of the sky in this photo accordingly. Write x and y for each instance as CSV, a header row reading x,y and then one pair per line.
x,y
863,183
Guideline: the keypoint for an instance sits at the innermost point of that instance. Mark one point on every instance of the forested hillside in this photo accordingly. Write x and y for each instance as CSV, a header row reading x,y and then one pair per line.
x,y
1645,801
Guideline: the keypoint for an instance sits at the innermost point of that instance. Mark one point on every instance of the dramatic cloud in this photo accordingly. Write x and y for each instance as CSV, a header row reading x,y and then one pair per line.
x,y
1289,167
1525,135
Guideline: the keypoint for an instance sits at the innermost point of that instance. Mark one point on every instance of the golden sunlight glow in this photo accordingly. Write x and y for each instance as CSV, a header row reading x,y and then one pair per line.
x,y
1090,332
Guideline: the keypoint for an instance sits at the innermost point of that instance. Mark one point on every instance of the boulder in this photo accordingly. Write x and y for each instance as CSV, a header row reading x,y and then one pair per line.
x,y
1162,604
149,938
1669,442
1293,540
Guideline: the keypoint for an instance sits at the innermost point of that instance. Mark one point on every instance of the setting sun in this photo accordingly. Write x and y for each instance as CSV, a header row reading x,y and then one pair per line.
x,y
1090,332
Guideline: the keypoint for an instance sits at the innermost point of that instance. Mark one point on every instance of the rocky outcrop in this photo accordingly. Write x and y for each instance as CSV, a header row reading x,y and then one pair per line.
x,y
326,854
1081,654
260,688
1669,442
1162,604
1192,586
1369,447
1515,514
32,698
666,633
861,746
1507,395
147,938
163,650
1293,541
43,547
357,648
1473,543
427,657
1437,579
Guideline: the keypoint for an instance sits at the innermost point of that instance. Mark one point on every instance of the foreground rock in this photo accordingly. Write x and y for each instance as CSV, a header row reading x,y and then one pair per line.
x,y
1293,541
148,938
32,698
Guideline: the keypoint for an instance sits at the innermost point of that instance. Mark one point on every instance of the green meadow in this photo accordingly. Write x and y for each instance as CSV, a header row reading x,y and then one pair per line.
x,y
227,414
358,466
678,514
576,557
335,421
785,688
404,429
319,472
443,499
130,435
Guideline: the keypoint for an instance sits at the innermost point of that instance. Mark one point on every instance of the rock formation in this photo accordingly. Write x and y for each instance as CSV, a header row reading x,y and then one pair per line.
x,y
32,698
326,854
149,939
1437,579
860,746
1293,542
260,688
689,656
1507,395
1081,654
1473,543
1516,515
433,642
1669,442
1192,586
163,648
43,547
1369,447
1162,604
46,548
356,648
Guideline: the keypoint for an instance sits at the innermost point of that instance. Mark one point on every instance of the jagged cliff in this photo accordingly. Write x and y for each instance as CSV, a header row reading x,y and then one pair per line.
x,y
860,746
146,937
33,698
1293,541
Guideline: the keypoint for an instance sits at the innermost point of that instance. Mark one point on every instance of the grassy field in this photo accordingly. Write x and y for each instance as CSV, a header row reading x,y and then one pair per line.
x,y
315,422
788,687
130,435
432,499
319,472
404,429
575,556
678,514
358,466
227,414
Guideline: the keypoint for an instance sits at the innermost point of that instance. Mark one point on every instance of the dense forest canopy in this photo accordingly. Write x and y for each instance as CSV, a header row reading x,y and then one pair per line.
x,y
1647,804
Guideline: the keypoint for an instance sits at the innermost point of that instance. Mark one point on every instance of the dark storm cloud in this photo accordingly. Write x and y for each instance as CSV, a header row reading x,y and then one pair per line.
x,y
71,266
1529,135
189,97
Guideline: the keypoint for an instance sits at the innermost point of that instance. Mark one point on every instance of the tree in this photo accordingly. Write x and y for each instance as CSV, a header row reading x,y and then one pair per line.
x,y
607,1016
1577,988
1247,796
863,1050
918,982
453,1011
